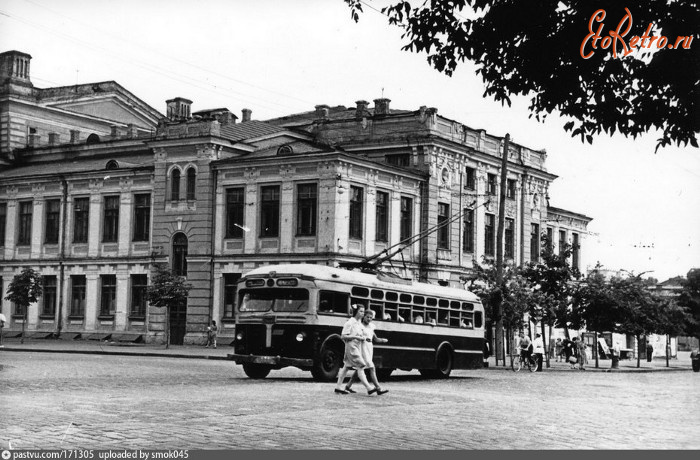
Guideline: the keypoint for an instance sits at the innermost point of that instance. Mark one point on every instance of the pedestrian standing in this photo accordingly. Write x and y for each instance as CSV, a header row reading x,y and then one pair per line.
x,y
212,332
650,351
552,349
559,349
538,351
569,351
2,325
582,355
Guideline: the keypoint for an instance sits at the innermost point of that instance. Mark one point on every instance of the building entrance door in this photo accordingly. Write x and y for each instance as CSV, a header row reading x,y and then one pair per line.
x,y
178,323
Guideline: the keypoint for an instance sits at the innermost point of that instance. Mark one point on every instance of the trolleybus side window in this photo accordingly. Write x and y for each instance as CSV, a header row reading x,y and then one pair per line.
x,y
478,320
333,302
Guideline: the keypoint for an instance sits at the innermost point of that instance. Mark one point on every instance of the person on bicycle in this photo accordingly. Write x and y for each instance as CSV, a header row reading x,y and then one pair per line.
x,y
525,346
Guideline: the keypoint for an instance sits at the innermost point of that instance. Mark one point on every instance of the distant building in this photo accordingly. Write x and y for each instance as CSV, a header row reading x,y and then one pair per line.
x,y
95,186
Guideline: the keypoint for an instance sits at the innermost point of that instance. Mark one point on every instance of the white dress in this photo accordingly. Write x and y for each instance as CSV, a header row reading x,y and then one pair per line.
x,y
368,347
353,348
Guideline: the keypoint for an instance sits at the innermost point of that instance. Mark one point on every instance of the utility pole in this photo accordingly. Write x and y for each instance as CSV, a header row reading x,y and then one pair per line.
x,y
499,250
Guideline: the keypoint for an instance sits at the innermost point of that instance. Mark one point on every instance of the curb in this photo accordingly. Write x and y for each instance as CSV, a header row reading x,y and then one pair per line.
x,y
118,353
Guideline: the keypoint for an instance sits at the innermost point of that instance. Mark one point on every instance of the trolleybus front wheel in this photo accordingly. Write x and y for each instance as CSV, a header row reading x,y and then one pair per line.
x,y
256,371
329,362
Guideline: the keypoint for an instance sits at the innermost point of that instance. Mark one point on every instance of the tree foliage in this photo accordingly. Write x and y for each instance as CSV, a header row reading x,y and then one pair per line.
x,y
690,299
534,49
554,280
25,288
167,290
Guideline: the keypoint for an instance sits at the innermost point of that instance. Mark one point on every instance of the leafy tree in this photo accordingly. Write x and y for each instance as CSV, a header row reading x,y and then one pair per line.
x,y
167,290
24,289
534,49
690,299
555,281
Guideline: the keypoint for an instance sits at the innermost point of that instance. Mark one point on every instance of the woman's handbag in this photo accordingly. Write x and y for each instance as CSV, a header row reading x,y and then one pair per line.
x,y
572,359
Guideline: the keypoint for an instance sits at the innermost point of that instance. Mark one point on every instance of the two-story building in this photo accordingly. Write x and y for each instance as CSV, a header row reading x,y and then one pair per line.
x,y
96,186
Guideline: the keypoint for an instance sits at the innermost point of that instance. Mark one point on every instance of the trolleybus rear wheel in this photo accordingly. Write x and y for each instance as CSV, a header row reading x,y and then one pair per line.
x,y
329,362
256,371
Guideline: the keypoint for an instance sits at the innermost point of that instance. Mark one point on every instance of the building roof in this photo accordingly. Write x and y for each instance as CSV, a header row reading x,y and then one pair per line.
x,y
249,130
77,165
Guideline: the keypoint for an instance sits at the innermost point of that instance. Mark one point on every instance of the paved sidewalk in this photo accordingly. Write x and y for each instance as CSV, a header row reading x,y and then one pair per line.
x,y
681,363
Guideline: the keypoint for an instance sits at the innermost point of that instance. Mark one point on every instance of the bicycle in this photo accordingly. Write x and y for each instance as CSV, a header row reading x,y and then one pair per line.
x,y
518,362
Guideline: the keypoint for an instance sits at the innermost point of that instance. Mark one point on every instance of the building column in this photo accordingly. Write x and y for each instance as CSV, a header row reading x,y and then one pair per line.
x,y
123,301
92,299
11,230
287,226
94,227
37,227
125,216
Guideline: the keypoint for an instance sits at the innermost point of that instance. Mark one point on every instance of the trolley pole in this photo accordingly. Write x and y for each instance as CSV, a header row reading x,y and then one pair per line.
x,y
499,249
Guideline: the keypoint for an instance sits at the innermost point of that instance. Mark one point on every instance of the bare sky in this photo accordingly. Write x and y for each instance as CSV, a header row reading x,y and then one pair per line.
x,y
281,57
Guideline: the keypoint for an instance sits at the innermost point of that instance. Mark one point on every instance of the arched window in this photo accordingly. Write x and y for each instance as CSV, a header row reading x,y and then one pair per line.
x,y
180,254
175,185
191,180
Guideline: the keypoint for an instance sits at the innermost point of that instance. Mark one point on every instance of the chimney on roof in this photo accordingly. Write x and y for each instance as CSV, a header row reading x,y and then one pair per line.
x,y
74,136
381,106
114,131
54,138
246,115
322,111
179,109
32,140
14,67
361,109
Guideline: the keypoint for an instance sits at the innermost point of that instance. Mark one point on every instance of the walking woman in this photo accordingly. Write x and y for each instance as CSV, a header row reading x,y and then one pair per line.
x,y
353,336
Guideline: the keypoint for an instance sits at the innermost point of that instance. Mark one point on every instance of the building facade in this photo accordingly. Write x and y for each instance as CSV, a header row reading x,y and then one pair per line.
x,y
96,187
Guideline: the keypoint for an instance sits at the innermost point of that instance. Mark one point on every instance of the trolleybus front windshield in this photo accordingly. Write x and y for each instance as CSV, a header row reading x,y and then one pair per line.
x,y
275,299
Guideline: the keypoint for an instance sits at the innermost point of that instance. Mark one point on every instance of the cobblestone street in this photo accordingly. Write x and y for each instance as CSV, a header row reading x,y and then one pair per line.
x,y
112,402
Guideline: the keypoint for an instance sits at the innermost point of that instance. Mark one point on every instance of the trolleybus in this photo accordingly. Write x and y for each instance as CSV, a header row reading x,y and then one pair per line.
x,y
292,315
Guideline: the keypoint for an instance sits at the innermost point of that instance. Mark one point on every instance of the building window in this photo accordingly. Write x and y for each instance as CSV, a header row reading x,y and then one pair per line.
x,y
110,229
180,254
575,251
510,188
562,242
235,217
356,217
468,230
382,217
108,291
470,178
175,185
230,289
402,159
24,238
53,213
49,296
191,183
139,296
270,211
534,242
490,235
307,205
142,216
77,295
406,218
491,184
81,215
510,239
443,233
3,220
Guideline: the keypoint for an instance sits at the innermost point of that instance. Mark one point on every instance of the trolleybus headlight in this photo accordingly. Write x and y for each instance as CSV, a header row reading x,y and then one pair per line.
x,y
239,336
301,336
